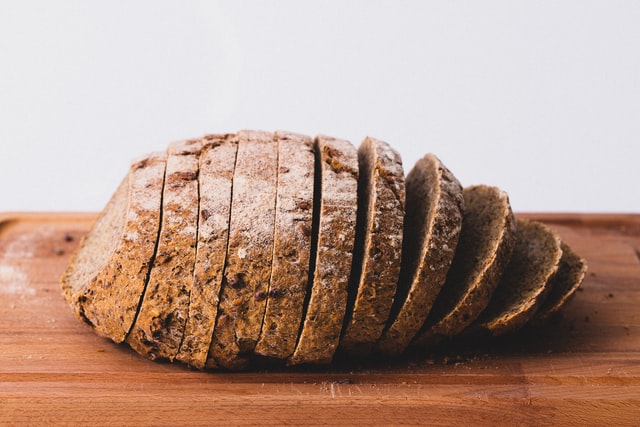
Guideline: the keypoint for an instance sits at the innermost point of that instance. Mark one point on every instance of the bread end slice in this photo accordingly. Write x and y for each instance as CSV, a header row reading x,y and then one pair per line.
x,y
107,274
525,282
564,284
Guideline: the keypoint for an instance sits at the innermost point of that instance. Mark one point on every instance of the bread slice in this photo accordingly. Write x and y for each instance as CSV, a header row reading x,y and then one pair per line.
x,y
432,226
524,284
484,249
378,251
250,250
159,325
107,274
337,169
216,164
292,246
563,284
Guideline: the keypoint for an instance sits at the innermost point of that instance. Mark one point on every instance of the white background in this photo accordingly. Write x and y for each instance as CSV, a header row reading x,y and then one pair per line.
x,y
540,98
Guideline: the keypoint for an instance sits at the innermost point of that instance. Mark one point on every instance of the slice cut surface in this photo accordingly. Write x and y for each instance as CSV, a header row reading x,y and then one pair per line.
x,y
432,228
337,161
378,252
484,249
106,277
524,284
564,283
250,250
159,326
292,246
216,163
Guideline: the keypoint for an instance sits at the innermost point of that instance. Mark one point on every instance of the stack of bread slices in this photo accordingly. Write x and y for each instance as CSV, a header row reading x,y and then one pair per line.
x,y
231,250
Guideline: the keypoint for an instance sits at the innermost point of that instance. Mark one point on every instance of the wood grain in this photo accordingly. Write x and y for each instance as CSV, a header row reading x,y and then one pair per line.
x,y
582,369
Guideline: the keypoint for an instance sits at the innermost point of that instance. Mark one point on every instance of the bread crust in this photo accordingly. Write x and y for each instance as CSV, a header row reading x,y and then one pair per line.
x,y
326,307
525,282
564,283
216,165
378,253
250,250
292,246
481,257
106,294
159,326
434,218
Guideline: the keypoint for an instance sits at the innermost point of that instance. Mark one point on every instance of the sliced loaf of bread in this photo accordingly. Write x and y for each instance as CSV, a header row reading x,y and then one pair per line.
x,y
378,251
337,161
159,325
292,246
236,247
107,274
432,227
525,282
216,165
484,249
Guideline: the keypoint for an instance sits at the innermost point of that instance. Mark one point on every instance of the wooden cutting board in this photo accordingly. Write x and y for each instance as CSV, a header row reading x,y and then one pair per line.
x,y
583,369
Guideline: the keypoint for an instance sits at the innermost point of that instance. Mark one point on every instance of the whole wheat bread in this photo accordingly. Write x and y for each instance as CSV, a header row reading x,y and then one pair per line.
x,y
217,264
249,252
292,246
378,251
159,325
433,220
337,161
216,165
107,274
524,284
484,249
563,284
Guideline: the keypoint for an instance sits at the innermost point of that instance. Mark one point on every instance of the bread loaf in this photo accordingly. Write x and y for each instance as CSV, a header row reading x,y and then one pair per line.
x,y
275,248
